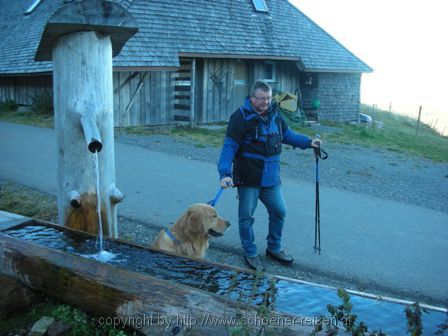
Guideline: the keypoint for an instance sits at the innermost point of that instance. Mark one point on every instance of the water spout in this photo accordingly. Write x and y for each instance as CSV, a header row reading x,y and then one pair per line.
x,y
75,198
91,134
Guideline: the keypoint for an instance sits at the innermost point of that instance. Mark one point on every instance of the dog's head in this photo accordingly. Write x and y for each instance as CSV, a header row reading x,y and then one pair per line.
x,y
203,220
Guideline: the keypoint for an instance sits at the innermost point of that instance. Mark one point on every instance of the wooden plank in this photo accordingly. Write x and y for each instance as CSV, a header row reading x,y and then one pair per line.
x,y
165,111
228,93
117,106
124,99
206,93
198,82
133,93
192,100
146,101
155,98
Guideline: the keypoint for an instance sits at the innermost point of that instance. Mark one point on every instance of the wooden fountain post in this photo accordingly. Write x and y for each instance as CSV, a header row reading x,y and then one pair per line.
x,y
81,38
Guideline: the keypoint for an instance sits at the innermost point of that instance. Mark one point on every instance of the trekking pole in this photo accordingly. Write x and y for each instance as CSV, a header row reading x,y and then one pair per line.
x,y
318,153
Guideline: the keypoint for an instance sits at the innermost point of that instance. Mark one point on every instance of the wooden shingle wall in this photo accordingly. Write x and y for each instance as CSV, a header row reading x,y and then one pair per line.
x,y
339,96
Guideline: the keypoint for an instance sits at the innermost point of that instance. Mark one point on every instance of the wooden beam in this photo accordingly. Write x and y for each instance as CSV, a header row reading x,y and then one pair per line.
x,y
122,85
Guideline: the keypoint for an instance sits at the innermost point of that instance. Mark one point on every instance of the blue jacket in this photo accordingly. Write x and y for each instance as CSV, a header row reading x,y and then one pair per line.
x,y
253,144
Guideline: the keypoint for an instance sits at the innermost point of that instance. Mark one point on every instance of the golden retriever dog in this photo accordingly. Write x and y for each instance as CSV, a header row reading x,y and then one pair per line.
x,y
190,233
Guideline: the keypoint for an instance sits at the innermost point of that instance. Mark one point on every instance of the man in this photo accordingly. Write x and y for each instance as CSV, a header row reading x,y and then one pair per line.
x,y
253,144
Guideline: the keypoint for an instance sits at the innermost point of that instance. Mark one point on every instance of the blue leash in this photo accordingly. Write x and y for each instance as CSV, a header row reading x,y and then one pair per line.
x,y
215,200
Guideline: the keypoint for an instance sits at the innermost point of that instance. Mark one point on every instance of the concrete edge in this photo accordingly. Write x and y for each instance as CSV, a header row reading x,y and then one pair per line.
x,y
9,219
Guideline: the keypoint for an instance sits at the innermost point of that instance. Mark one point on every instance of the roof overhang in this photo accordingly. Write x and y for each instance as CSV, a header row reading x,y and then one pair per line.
x,y
144,68
105,17
240,56
336,70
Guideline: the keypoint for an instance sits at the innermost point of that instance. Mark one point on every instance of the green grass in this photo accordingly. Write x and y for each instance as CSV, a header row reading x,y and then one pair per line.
x,y
27,202
201,136
27,118
80,323
397,134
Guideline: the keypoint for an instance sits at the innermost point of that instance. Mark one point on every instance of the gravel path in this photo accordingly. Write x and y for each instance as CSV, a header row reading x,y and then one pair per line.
x,y
370,171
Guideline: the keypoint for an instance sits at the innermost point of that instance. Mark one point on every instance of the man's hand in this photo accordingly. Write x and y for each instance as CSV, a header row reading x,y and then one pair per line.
x,y
316,143
226,182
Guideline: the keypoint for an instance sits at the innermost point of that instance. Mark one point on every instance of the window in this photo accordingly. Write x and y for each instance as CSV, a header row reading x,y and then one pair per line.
x,y
269,71
32,7
260,6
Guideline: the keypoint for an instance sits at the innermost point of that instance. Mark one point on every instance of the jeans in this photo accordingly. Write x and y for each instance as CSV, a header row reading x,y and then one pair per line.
x,y
273,200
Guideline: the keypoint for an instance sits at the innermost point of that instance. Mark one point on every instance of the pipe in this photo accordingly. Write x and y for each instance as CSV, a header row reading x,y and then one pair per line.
x,y
91,133
75,199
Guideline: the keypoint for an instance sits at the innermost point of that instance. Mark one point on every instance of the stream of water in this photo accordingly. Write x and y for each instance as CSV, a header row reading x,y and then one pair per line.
x,y
102,255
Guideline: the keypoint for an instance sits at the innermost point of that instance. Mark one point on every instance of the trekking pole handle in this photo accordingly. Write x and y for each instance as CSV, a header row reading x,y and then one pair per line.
x,y
319,152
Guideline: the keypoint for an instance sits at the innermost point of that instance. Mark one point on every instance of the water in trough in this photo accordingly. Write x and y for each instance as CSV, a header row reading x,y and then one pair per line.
x,y
291,296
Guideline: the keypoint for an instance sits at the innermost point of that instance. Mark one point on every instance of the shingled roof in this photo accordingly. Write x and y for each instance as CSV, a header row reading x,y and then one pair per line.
x,y
202,28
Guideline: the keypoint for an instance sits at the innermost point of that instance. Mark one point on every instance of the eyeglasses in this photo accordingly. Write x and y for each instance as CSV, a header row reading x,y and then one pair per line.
x,y
262,99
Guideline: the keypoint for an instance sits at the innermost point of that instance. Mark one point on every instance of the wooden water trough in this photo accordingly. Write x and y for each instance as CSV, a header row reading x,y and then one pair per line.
x,y
44,257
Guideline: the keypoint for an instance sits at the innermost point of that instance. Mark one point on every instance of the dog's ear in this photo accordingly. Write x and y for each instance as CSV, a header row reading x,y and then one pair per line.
x,y
196,223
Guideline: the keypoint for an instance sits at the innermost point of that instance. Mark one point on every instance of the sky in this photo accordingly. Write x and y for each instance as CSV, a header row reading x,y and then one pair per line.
x,y
404,41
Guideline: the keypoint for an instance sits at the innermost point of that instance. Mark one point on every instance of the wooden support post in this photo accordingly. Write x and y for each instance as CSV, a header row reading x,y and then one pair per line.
x,y
83,104
418,120
81,38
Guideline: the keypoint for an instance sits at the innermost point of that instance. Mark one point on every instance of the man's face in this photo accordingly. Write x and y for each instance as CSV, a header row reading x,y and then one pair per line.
x,y
261,100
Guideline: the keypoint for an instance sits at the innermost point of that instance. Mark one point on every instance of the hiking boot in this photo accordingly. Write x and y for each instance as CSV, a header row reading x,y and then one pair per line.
x,y
254,263
281,256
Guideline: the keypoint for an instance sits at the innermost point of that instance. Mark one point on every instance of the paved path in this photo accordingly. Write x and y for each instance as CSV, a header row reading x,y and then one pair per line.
x,y
398,246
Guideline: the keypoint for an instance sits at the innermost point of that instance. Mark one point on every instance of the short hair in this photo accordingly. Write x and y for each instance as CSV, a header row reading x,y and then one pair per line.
x,y
259,85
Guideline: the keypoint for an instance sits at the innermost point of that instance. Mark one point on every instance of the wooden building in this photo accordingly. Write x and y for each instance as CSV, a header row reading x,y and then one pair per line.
x,y
195,60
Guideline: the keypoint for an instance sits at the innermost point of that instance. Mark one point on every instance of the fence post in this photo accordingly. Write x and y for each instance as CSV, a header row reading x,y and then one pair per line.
x,y
418,120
